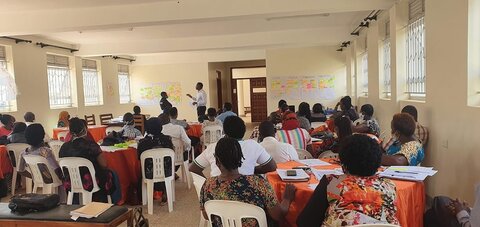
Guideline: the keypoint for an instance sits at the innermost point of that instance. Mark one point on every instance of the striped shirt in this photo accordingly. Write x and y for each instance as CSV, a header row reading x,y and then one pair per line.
x,y
298,137
421,133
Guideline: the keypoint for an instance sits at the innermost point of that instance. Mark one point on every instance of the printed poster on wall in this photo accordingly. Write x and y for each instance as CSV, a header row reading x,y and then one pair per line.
x,y
149,94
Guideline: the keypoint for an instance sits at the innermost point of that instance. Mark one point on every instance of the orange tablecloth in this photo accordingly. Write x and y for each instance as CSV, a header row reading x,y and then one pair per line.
x,y
410,197
5,165
98,132
195,130
127,166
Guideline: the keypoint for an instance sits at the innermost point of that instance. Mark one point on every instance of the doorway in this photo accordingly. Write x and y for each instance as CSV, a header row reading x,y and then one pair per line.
x,y
249,93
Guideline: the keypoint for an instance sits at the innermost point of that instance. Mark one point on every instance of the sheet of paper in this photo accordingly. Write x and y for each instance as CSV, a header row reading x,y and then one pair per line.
x,y
91,210
312,186
301,175
319,173
314,162
417,169
316,139
409,173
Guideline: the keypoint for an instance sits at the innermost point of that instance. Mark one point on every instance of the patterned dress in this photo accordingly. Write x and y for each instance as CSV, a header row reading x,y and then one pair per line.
x,y
357,200
250,189
412,150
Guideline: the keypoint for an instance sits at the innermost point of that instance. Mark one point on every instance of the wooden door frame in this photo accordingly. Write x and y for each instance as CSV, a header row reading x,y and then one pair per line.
x,y
233,94
219,89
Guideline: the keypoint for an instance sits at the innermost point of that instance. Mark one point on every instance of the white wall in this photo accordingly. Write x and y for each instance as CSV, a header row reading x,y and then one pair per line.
x,y
307,61
249,73
29,62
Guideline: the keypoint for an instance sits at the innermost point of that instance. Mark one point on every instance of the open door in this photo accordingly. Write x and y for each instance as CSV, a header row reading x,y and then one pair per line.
x,y
258,99
234,96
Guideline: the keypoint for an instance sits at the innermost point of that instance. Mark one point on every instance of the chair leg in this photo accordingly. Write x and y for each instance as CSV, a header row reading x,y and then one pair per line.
x,y
70,198
169,186
34,189
14,180
109,199
187,175
150,196
86,198
28,185
144,193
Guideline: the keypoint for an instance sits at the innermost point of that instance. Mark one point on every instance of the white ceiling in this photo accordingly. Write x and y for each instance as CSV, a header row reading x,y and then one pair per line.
x,y
142,27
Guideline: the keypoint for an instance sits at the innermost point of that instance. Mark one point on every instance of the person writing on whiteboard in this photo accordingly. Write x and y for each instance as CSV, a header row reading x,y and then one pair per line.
x,y
200,101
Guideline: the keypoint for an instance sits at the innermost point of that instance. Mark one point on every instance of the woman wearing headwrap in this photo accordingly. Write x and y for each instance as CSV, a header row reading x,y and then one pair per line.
x,y
292,133
63,119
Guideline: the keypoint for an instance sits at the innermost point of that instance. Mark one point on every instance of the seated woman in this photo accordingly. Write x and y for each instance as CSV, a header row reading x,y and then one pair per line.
x,y
7,124
82,147
343,129
18,133
89,136
63,119
252,189
346,108
34,135
129,129
318,115
303,116
407,151
366,123
359,196
292,133
155,139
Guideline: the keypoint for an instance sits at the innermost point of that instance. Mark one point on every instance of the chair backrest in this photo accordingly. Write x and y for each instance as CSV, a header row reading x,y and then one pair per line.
x,y
328,154
62,135
318,124
105,118
198,182
232,212
34,162
113,129
375,225
157,155
73,164
14,151
303,154
179,149
55,145
212,134
90,119
139,122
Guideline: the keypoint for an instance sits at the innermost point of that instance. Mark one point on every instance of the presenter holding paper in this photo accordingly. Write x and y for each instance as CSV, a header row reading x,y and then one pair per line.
x,y
200,101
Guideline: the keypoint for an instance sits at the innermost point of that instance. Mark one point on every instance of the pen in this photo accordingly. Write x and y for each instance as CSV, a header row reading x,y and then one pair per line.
x,y
405,172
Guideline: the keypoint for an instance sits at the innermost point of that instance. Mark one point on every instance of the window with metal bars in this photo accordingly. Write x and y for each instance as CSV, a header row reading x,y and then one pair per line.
x,y
364,60
415,52
7,100
91,83
124,84
59,82
387,88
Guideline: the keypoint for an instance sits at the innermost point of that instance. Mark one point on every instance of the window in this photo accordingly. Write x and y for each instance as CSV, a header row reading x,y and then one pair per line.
x,y
364,59
91,83
59,81
387,88
124,84
8,91
415,52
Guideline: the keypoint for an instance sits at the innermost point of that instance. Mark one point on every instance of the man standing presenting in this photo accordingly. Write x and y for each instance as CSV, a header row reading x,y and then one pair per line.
x,y
200,101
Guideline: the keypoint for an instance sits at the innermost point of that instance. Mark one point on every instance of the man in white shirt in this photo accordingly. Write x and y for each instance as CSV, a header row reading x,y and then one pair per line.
x,y
256,159
200,101
175,131
280,152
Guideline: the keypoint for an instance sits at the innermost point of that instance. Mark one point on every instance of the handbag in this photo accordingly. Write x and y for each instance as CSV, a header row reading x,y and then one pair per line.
x,y
27,203
138,218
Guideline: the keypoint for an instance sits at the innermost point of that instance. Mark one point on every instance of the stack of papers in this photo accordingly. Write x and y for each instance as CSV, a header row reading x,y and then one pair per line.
x,y
301,175
319,173
409,173
91,210
314,162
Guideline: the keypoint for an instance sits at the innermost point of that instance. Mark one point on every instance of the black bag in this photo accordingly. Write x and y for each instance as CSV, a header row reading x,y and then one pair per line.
x,y
138,218
27,203
113,138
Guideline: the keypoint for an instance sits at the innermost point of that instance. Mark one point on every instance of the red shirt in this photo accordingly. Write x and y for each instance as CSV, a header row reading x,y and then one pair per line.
x,y
4,131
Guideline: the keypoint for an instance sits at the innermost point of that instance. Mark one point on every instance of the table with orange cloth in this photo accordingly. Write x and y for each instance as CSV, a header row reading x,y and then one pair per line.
x,y
194,129
127,166
98,131
410,196
5,165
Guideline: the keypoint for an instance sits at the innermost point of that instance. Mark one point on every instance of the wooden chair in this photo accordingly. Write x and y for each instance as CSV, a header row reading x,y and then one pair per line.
x,y
139,121
105,118
90,119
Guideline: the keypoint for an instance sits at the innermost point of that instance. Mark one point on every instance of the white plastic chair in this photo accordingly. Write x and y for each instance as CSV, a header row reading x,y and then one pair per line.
x,y
375,225
33,162
55,145
212,134
179,149
113,129
62,135
14,152
318,124
73,164
303,154
198,182
232,212
157,155
328,154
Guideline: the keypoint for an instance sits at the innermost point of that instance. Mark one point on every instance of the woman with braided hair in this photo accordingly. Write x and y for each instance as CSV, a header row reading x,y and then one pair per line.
x,y
252,189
